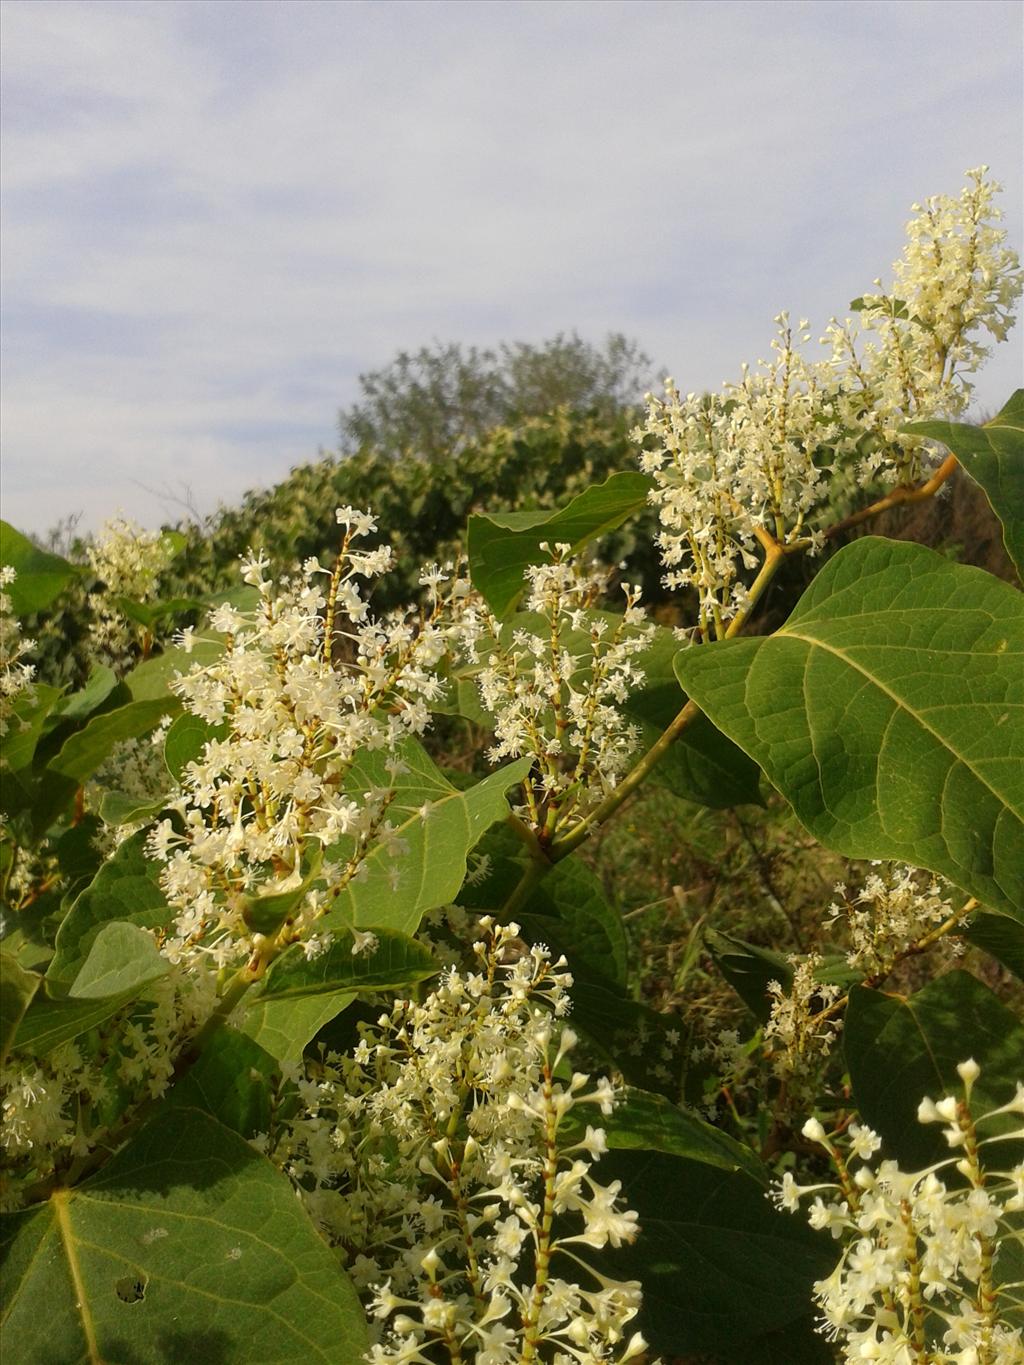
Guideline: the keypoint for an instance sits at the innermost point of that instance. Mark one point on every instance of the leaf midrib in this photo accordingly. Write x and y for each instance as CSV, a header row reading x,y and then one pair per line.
x,y
901,705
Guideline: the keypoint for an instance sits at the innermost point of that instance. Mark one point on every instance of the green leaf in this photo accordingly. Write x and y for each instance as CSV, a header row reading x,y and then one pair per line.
x,y
395,962
149,681
147,614
25,728
122,958
77,853
125,888
48,1022
284,1027
749,969
993,455
100,683
647,1047
186,739
118,808
41,575
900,1050
89,748
230,1080
1000,936
718,1264
188,1246
18,988
888,712
645,1121
569,912
440,828
502,545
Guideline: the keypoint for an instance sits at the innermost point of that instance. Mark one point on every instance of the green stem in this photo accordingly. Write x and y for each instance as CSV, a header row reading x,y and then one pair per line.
x,y
774,557
534,872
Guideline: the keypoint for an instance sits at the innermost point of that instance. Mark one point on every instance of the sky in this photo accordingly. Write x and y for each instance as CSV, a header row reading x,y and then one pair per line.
x,y
218,213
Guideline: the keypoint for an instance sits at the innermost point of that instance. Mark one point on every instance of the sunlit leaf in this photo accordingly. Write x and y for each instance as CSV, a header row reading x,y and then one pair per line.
x,y
501,545
122,957
40,575
993,455
188,1246
390,962
889,710
125,888
899,1050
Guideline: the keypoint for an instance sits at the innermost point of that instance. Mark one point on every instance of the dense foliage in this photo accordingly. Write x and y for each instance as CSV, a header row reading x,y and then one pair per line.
x,y
531,1045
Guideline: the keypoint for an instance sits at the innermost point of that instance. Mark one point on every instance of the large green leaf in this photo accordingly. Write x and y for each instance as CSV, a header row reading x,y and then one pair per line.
x,y
101,682
186,739
899,1050
122,957
25,728
993,455
187,1247
17,987
149,680
648,1122
90,747
1000,936
230,1080
125,888
284,1027
118,808
394,961
719,1266
48,1022
501,545
568,911
888,710
41,575
438,827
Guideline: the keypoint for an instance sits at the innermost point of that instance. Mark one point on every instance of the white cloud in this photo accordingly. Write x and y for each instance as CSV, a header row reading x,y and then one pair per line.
x,y
217,214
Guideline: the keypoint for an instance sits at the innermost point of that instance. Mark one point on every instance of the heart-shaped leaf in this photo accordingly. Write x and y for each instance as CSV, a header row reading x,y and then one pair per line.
x,y
889,711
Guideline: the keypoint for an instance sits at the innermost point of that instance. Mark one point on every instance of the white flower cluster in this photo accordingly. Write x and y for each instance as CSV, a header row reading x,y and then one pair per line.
x,y
129,561
438,1158
893,911
800,1020
759,458
555,688
59,1107
955,285
732,465
135,768
15,674
307,681
930,1267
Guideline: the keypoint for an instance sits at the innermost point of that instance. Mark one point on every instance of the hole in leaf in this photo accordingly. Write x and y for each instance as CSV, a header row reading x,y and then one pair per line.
x,y
131,1288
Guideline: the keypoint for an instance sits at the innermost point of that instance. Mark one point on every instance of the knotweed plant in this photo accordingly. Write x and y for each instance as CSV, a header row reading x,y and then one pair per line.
x,y
308,680
16,673
209,1151
129,562
449,1160
554,682
930,1267
749,472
